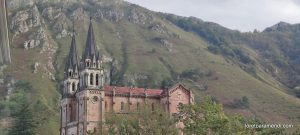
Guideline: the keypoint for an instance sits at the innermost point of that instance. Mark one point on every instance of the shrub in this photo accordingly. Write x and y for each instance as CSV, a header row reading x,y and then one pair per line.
x,y
244,58
166,83
153,50
195,74
241,103
214,49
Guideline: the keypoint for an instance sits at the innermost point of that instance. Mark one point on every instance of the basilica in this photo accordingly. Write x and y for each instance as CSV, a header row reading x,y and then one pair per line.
x,y
86,100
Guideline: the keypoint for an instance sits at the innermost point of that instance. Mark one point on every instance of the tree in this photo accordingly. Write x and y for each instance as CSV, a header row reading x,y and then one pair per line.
x,y
209,118
24,123
240,103
19,104
144,121
166,83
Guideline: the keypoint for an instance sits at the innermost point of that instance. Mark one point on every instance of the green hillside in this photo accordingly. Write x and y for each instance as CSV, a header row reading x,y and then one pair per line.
x,y
145,49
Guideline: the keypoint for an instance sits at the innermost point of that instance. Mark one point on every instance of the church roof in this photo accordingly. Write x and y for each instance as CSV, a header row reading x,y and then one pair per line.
x,y
133,90
90,49
72,62
144,91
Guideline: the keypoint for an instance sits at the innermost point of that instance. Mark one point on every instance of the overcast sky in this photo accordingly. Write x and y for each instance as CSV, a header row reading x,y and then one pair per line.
x,y
243,15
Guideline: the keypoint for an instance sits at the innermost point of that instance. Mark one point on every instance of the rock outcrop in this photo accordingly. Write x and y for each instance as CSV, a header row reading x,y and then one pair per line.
x,y
10,86
12,4
29,44
48,13
166,43
78,14
35,67
35,39
60,26
158,27
23,20
108,14
137,17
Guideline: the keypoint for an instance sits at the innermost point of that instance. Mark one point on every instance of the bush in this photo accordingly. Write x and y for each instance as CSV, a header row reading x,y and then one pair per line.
x,y
145,121
244,58
4,110
195,74
296,90
153,50
242,103
214,49
166,83
251,70
23,85
227,51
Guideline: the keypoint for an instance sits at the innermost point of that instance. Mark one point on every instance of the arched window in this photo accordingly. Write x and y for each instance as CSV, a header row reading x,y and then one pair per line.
x,y
88,63
73,86
122,106
77,85
105,105
138,106
152,106
97,79
70,73
91,79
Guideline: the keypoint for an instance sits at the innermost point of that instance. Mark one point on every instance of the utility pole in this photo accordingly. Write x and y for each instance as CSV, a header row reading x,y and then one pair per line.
x,y
4,42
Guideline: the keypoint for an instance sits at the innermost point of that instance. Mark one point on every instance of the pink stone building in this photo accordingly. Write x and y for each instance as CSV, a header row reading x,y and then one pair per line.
x,y
85,100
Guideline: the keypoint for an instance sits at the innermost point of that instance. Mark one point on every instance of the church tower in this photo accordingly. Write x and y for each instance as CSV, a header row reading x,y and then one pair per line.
x,y
69,89
91,93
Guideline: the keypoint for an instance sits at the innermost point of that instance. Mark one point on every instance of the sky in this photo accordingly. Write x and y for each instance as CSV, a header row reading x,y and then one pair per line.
x,y
243,15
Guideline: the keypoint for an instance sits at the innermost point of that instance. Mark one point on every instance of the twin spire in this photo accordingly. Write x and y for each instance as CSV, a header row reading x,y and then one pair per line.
x,y
90,49
89,53
72,62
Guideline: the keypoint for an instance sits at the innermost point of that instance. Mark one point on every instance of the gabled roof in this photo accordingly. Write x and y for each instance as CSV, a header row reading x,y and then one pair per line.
x,y
176,86
72,62
90,48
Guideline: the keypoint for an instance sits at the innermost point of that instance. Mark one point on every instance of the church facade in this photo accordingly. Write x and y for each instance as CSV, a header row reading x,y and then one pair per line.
x,y
86,100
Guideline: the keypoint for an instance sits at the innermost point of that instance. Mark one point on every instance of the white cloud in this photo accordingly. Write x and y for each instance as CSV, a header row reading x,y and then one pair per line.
x,y
244,15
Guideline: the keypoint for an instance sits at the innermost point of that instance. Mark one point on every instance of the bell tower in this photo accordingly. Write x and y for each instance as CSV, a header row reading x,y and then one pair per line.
x,y
91,94
68,104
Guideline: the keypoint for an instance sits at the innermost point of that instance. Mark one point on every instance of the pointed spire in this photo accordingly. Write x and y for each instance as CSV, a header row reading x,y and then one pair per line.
x,y
90,49
72,62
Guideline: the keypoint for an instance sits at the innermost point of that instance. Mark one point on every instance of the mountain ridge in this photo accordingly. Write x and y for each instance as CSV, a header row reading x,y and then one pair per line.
x,y
145,48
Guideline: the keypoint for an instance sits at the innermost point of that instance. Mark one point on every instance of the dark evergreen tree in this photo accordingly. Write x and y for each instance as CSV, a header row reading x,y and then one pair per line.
x,y
24,123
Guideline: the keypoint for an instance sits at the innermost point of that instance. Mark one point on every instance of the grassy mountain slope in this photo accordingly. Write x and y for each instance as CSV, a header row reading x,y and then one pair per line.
x,y
147,48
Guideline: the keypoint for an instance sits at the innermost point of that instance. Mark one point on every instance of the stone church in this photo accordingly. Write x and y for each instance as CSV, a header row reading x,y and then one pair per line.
x,y
86,100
